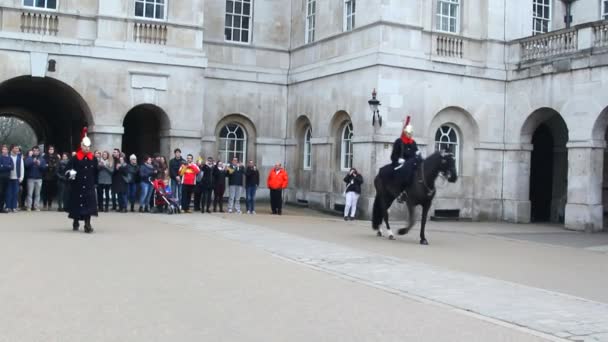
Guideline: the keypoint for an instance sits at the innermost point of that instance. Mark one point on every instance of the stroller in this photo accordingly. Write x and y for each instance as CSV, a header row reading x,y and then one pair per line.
x,y
163,199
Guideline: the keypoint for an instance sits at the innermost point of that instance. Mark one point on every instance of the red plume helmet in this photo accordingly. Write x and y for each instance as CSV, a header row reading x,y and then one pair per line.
x,y
85,130
406,128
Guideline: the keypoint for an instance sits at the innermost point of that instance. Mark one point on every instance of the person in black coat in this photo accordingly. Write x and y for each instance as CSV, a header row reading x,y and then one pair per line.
x,y
207,185
219,186
119,183
252,181
83,168
353,182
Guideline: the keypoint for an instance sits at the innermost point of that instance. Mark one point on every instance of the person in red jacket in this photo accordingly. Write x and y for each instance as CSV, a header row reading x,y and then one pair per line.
x,y
188,174
277,181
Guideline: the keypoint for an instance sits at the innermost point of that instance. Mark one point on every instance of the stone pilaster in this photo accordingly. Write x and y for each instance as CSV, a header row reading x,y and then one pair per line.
x,y
584,210
106,138
516,183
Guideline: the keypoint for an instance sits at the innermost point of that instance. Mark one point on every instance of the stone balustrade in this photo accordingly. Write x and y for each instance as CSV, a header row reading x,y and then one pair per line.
x,y
40,23
549,44
600,33
449,46
150,33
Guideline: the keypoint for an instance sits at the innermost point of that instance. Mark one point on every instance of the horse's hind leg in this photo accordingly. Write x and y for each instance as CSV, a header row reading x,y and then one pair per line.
x,y
388,227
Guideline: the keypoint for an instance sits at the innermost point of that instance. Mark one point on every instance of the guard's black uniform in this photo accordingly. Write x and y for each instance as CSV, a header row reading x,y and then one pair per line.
x,y
83,199
403,150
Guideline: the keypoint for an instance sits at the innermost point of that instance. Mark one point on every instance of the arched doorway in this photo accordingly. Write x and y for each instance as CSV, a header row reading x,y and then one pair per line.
x,y
142,130
548,166
53,110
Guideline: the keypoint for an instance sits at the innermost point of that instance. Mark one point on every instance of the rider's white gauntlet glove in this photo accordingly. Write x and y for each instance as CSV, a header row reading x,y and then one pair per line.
x,y
401,160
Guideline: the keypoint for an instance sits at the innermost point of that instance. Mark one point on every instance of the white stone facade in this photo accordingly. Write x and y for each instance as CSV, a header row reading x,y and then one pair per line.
x,y
527,112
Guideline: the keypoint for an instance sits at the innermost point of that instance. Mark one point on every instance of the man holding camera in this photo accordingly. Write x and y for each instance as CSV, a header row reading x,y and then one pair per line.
x,y
35,166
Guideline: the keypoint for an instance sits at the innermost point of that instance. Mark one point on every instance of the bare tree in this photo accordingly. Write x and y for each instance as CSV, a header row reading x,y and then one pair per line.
x,y
16,131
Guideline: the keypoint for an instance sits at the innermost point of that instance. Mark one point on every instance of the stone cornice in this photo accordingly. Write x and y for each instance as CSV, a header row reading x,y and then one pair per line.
x,y
126,52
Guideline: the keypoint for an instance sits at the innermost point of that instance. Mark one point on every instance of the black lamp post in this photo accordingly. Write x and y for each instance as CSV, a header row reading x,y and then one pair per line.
x,y
373,105
568,16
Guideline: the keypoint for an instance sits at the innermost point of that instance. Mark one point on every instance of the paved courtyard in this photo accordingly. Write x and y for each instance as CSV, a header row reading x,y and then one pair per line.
x,y
302,276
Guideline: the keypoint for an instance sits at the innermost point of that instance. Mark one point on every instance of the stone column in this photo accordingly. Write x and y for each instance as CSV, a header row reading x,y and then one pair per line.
x,y
106,138
516,183
371,153
186,140
584,210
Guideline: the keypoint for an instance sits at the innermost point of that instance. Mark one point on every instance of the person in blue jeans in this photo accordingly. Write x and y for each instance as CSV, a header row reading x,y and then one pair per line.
x,y
132,180
146,174
252,181
6,166
15,178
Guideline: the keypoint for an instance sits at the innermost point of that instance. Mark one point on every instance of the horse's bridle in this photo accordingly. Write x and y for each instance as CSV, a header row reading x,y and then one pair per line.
x,y
431,192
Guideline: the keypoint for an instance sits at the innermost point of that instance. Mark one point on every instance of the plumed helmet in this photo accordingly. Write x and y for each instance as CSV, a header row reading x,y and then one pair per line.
x,y
408,128
85,141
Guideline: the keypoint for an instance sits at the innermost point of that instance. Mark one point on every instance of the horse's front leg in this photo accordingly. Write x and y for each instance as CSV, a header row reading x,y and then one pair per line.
x,y
411,220
425,212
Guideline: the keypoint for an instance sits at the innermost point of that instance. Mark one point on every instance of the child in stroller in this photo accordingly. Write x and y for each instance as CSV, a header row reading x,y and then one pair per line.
x,y
163,199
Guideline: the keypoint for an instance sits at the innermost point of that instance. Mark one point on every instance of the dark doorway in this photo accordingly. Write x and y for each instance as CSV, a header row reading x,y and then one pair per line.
x,y
142,135
541,174
54,110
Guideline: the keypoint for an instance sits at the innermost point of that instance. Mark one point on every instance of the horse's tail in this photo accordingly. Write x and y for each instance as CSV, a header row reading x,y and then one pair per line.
x,y
377,213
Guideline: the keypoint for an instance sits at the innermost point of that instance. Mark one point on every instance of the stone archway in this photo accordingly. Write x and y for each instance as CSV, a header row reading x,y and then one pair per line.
x,y
143,130
54,110
546,131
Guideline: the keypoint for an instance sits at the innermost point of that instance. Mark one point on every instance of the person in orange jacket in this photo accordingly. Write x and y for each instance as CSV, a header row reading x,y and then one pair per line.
x,y
188,173
277,181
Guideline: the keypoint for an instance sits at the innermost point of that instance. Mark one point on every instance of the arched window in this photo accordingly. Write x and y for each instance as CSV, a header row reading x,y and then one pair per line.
x,y
307,149
233,143
346,152
446,139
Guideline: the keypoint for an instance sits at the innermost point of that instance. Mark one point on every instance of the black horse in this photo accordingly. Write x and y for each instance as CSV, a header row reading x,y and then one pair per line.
x,y
390,183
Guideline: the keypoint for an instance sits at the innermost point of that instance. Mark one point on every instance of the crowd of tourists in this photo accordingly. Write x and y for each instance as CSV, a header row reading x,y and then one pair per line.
x,y
35,181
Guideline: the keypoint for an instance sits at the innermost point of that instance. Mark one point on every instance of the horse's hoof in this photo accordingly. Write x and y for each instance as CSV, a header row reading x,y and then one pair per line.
x,y
379,234
391,237
424,242
403,231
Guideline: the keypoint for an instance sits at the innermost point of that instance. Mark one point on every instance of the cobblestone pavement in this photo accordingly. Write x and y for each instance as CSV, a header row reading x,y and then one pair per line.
x,y
550,312
144,277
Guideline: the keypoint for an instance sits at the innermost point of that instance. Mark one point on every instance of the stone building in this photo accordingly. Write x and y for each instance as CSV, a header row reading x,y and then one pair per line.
x,y
510,87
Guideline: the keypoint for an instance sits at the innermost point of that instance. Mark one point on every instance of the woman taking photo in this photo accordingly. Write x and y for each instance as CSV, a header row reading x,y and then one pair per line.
x,y
353,182
106,169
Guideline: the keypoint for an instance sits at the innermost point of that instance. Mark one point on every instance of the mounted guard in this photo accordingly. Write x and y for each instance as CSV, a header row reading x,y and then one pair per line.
x,y
405,147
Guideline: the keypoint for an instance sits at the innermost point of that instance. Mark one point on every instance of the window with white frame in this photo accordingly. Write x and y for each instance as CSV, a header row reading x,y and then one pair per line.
x,y
311,11
308,149
150,9
346,152
448,15
349,14
41,4
605,9
233,143
541,16
238,21
446,139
